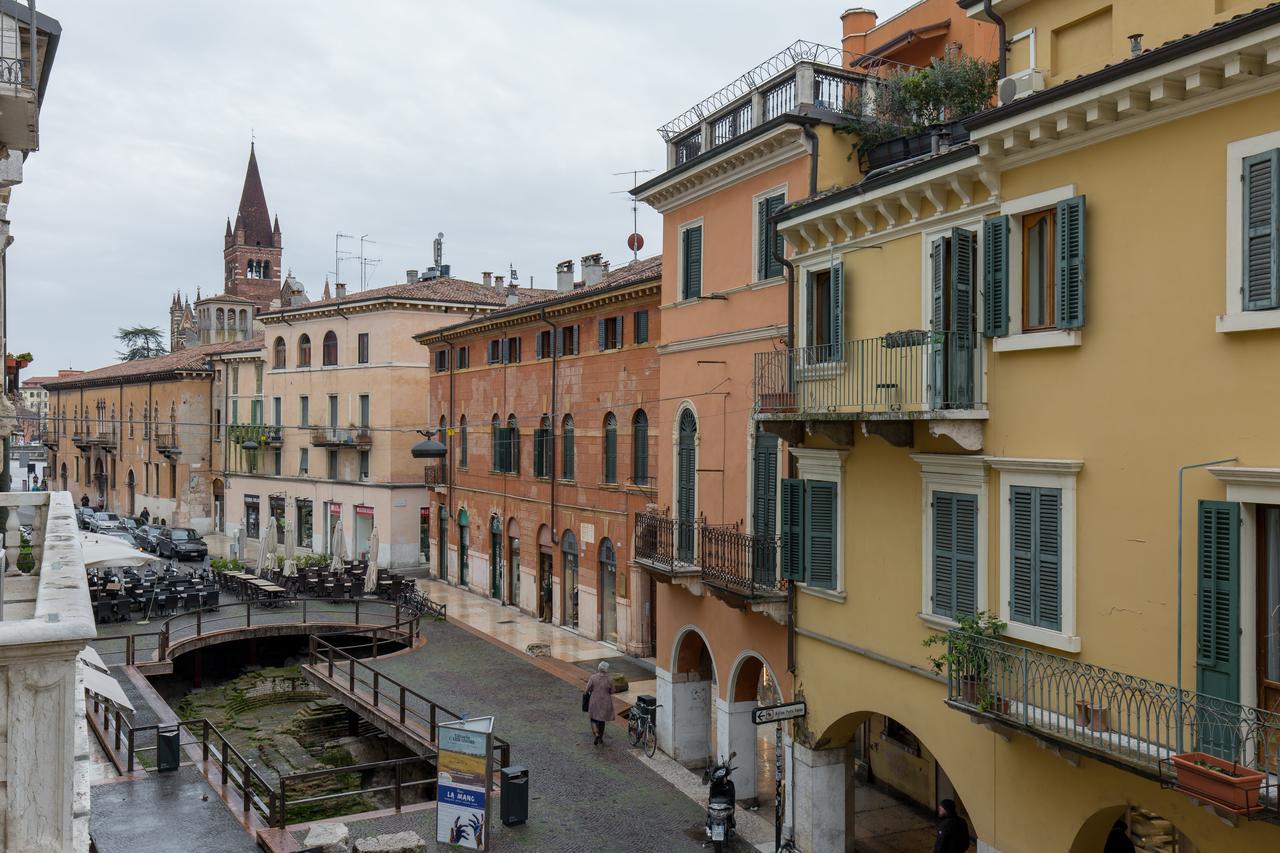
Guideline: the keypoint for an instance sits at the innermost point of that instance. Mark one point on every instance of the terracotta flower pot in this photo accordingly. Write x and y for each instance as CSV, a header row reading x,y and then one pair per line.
x,y
1205,776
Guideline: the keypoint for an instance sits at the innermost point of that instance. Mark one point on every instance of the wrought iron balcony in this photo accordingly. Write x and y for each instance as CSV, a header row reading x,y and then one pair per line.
x,y
359,437
721,556
273,436
1126,721
167,442
107,438
50,439
902,375
81,440
435,474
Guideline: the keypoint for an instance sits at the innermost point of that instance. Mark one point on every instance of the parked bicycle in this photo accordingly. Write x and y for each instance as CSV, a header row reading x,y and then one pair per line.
x,y
642,724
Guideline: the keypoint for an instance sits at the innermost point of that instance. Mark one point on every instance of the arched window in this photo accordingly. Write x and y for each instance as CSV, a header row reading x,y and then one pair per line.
x,y
244,320
495,432
248,269
608,587
277,362
567,465
266,269
304,351
610,448
542,448
462,442
686,484
640,448
330,349
131,420
222,322
513,442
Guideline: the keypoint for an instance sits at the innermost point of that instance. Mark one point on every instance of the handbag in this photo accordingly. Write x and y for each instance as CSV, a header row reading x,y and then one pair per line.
x,y
586,700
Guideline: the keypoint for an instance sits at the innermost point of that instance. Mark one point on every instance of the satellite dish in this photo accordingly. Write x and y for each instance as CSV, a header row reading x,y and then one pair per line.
x,y
1008,90
635,242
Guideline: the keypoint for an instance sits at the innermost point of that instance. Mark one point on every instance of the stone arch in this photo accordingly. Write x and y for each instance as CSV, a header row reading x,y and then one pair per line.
x,y
685,727
513,561
130,483
1092,835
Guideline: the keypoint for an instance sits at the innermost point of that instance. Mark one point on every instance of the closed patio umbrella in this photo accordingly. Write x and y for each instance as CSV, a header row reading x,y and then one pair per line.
x,y
242,545
290,567
371,574
337,548
267,547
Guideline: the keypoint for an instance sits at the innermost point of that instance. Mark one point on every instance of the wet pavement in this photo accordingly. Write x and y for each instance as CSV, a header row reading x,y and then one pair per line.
x,y
162,813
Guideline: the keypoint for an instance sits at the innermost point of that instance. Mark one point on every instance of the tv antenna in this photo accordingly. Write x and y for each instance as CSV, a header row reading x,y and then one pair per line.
x,y
366,263
339,256
634,242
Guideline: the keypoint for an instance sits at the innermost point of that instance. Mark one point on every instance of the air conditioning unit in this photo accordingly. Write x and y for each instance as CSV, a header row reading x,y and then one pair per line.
x,y
1020,84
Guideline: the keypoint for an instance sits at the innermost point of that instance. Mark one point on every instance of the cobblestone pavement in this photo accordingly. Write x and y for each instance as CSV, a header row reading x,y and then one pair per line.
x,y
582,797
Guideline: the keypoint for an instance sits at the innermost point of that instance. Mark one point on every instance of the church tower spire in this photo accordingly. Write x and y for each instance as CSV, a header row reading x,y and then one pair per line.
x,y
253,248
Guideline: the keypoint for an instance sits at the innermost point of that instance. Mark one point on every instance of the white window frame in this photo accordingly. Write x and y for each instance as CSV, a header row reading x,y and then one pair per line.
x,y
826,264
679,294
755,231
1046,474
825,466
1018,339
966,475
1235,318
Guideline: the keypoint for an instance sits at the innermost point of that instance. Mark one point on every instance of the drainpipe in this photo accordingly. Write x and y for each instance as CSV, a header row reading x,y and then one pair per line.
x,y
31,51
789,272
555,359
448,437
1002,61
1177,607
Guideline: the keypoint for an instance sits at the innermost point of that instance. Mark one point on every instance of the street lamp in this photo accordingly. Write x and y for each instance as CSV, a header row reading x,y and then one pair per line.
x,y
428,448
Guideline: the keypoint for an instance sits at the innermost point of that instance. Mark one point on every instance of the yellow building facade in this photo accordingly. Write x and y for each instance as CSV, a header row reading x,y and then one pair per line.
x,y
1008,353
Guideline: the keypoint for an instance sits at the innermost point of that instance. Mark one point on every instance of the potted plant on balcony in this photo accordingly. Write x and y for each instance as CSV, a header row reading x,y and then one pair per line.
x,y
967,656
1226,783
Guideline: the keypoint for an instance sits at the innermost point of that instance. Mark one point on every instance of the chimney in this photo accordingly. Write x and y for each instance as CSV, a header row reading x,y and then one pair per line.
x,y
1135,44
487,278
497,282
512,295
564,275
593,269
410,276
340,290
855,24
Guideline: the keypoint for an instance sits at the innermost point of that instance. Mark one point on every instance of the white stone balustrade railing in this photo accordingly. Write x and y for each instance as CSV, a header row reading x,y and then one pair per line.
x,y
12,533
44,797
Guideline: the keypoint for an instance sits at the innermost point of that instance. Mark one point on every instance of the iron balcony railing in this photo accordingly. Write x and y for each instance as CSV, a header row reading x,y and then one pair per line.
x,y
334,437
1120,718
435,474
722,555
899,373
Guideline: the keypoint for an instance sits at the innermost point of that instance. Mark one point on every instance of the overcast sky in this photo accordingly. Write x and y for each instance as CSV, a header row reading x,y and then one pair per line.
x,y
498,122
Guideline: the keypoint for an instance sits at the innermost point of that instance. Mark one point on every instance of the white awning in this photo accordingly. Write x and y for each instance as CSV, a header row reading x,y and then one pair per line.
x,y
90,657
110,551
105,686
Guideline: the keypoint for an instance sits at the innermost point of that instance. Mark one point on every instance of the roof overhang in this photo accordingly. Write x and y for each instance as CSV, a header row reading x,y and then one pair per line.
x,y
974,8
358,306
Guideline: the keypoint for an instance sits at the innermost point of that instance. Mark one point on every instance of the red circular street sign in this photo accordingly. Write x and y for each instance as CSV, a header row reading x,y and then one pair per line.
x,y
635,242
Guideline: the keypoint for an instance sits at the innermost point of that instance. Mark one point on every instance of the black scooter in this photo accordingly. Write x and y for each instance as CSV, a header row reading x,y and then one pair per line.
x,y
722,804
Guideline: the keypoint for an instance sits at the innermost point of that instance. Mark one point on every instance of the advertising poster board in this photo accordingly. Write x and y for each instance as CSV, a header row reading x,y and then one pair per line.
x,y
465,784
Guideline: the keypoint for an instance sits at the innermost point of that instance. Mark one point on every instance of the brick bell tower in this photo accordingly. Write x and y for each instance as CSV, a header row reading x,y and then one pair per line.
x,y
252,252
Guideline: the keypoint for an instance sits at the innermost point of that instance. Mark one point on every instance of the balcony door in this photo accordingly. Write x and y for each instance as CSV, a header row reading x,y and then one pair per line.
x,y
686,485
1268,618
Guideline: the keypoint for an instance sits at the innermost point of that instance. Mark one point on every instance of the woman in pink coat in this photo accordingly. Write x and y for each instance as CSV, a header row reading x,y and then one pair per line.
x,y
600,708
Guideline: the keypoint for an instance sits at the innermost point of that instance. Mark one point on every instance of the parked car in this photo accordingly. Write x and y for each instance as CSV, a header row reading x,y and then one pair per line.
x,y
181,543
83,514
103,522
129,525
146,535
123,535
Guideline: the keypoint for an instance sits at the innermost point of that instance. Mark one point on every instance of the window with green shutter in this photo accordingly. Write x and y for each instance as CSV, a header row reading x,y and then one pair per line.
x,y
567,465
768,240
938,322
1261,177
955,557
691,283
793,540
1035,542
962,339
610,448
1217,600
1069,278
686,492
995,276
810,532
764,504
642,327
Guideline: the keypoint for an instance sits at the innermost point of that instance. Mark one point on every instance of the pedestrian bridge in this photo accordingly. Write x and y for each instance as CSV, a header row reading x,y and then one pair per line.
x,y
391,624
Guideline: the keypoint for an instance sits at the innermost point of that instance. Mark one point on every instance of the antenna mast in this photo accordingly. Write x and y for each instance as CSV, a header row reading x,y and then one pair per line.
x,y
635,242
339,256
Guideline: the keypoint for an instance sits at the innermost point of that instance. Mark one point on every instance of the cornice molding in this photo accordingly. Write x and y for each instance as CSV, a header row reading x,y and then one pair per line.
x,y
741,336
737,163
1035,466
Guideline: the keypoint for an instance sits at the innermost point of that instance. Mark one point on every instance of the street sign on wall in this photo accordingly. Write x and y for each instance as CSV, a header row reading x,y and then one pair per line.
x,y
465,783
778,713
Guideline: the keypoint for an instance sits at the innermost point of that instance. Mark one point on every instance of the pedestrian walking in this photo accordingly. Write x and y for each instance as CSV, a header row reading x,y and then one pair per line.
x,y
600,700
953,830
1118,840
145,516
84,500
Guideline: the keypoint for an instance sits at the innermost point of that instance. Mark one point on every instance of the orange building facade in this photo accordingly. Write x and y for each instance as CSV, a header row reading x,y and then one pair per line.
x,y
550,412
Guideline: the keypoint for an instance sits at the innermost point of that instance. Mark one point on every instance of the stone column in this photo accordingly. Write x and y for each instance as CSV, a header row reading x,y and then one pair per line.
x,y
736,733
822,793
690,718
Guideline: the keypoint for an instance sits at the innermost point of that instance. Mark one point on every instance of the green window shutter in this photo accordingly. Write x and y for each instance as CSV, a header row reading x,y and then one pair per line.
x,y
963,339
1218,606
995,276
764,505
619,326
944,560
611,455
601,326
762,239
820,537
1069,267
642,327
793,535
837,311
1022,544
537,345
1261,178
692,262
776,247
1048,558
937,321
568,453
965,552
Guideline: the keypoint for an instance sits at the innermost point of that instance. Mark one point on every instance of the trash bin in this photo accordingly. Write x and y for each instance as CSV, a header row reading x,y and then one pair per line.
x,y
649,706
167,746
514,795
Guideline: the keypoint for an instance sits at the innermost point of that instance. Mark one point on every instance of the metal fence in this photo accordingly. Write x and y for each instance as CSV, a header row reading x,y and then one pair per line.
x,y
907,371
722,554
1124,719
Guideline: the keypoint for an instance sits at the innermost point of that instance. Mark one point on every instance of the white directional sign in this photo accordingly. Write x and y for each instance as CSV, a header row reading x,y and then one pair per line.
x,y
778,713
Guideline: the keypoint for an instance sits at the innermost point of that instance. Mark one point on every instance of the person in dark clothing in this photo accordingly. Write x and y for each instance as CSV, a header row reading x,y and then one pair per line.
x,y
953,830
84,500
1118,840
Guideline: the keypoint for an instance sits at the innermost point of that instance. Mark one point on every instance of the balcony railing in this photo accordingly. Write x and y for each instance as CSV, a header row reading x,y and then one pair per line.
x,y
722,555
1121,719
166,441
106,438
893,375
435,474
334,437
273,436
